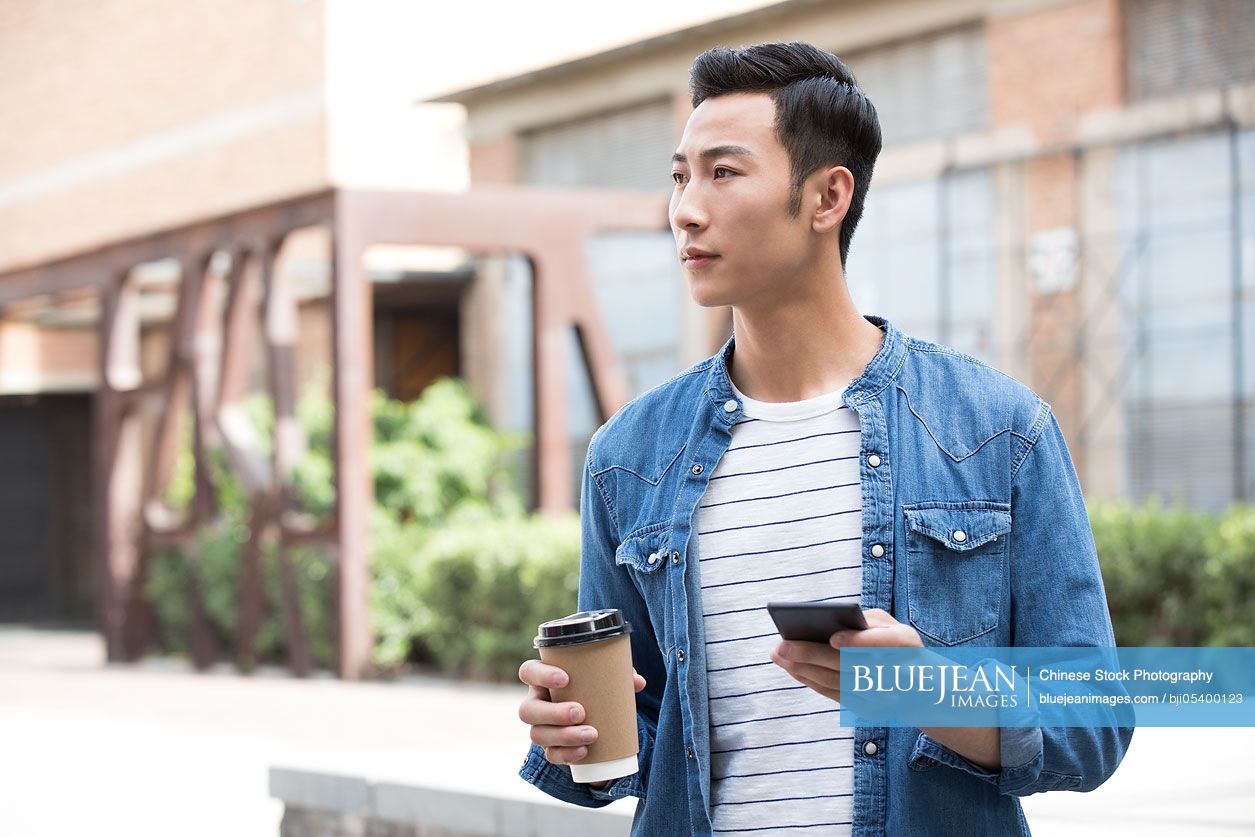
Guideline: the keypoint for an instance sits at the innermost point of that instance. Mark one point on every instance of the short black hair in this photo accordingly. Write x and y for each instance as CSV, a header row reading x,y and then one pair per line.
x,y
822,117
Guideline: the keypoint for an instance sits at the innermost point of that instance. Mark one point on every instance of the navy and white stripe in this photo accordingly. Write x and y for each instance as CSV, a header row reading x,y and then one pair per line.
x,y
781,520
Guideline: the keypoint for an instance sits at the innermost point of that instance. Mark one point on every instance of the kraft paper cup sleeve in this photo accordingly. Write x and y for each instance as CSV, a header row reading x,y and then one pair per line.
x,y
600,679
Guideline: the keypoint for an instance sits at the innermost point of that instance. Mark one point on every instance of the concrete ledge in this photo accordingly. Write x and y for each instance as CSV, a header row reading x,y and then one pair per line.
x,y
327,805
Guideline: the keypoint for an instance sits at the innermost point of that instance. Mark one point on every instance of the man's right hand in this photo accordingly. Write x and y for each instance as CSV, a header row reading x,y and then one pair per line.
x,y
557,727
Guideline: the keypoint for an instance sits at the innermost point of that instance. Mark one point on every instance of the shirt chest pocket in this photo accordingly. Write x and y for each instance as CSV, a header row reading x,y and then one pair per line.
x,y
956,557
642,555
645,550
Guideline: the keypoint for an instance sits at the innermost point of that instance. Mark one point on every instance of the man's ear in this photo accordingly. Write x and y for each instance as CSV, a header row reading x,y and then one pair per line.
x,y
830,192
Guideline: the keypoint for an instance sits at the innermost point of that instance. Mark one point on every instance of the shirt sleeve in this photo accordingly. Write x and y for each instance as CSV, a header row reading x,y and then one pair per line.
x,y
1057,600
605,584
555,779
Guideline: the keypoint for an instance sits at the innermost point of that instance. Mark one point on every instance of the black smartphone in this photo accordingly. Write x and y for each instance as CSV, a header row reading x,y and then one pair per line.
x,y
815,621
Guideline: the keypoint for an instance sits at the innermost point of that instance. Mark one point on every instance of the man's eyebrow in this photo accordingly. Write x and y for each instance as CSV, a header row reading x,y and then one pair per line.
x,y
716,151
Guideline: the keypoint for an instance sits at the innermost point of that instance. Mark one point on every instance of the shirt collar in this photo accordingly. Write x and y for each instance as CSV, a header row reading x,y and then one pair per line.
x,y
882,369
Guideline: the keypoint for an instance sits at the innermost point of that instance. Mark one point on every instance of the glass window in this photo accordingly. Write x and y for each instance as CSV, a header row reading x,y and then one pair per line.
x,y
1187,394
923,256
1173,46
929,86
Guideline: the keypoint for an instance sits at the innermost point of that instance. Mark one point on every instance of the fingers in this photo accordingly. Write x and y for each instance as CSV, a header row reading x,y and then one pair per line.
x,y
544,676
877,633
569,737
883,631
557,727
833,694
540,710
878,617
812,653
536,673
815,676
565,755
811,664
877,637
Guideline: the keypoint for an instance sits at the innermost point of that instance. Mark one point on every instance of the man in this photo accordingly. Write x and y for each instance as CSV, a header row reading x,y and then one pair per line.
x,y
820,455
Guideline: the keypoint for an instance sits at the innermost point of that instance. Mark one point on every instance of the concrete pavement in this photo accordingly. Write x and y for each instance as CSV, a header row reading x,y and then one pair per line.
x,y
155,749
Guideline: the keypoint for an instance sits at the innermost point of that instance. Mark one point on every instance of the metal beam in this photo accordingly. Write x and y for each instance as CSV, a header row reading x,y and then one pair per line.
x,y
549,227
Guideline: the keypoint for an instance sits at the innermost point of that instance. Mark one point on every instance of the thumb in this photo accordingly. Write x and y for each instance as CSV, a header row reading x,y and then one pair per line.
x,y
638,682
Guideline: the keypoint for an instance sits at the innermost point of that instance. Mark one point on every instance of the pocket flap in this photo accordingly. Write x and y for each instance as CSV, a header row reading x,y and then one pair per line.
x,y
644,552
956,527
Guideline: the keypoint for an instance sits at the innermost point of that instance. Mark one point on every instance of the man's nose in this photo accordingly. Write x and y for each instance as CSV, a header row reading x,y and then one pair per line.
x,y
687,210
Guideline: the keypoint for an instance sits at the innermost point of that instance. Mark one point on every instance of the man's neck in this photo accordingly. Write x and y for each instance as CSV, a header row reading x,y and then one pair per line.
x,y
809,345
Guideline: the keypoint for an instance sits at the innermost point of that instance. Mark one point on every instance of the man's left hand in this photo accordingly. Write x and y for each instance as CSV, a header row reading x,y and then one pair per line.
x,y
819,666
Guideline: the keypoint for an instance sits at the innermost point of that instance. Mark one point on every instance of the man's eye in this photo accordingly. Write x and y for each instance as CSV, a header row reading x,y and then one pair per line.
x,y
722,169
677,176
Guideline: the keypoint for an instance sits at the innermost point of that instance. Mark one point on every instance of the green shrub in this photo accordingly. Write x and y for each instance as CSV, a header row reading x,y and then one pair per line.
x,y
1228,578
1176,576
483,590
435,455
396,607
219,558
217,553
437,465
461,575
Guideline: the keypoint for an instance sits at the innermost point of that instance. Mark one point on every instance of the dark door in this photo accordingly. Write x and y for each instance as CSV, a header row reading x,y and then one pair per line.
x,y
45,511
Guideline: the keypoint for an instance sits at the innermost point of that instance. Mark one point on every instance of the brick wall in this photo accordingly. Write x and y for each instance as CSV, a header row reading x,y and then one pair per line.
x,y
124,116
1048,69
495,161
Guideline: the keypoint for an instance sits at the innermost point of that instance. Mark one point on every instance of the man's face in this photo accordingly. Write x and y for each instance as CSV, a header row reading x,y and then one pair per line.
x,y
731,201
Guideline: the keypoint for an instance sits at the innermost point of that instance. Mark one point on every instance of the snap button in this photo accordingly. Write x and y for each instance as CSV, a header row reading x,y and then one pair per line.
x,y
870,748
873,461
679,655
730,406
878,551
690,752
697,469
675,557
960,535
653,558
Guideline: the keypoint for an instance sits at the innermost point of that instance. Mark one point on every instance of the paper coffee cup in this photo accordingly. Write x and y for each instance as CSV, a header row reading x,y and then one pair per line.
x,y
594,649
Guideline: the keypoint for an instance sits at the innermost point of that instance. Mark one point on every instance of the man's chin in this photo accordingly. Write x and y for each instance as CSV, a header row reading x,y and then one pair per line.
x,y
710,290
707,299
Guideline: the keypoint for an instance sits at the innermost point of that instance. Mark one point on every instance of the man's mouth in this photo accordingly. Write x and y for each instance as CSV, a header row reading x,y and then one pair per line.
x,y
694,258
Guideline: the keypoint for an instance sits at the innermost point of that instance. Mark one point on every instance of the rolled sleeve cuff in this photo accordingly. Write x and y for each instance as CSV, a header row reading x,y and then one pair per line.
x,y
555,780
1020,743
1023,754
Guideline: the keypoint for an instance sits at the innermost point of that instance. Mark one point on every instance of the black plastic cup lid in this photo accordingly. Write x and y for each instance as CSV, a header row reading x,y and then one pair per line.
x,y
585,626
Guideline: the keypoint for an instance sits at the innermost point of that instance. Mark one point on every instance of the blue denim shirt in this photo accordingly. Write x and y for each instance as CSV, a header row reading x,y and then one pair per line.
x,y
948,443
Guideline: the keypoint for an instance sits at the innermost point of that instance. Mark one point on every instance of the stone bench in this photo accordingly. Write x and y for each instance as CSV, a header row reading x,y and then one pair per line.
x,y
319,804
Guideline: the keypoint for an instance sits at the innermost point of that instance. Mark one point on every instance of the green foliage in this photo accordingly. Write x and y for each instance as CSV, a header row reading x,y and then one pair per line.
x,y
1176,576
1228,578
438,468
461,575
215,559
483,590
313,475
438,454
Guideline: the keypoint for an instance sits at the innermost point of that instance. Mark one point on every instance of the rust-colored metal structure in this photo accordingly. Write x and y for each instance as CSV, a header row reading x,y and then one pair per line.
x,y
215,318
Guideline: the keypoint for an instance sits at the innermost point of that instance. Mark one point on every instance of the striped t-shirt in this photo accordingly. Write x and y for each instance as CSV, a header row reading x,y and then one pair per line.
x,y
780,521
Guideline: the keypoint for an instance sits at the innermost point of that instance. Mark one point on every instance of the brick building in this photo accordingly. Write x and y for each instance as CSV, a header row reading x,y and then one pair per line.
x,y
202,200
1065,192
